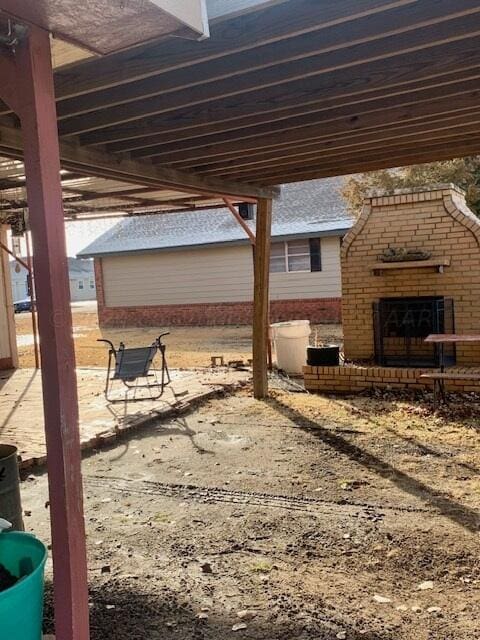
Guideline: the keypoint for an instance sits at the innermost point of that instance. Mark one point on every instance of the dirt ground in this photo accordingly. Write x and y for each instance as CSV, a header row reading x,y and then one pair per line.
x,y
187,346
302,517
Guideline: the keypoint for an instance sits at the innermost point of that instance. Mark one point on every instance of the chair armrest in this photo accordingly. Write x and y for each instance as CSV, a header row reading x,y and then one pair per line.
x,y
110,344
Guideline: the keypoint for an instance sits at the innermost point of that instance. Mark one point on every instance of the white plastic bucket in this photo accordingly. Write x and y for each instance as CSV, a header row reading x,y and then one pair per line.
x,y
291,340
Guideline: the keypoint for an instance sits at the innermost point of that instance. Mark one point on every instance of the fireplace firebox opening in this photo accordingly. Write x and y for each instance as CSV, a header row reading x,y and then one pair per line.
x,y
401,326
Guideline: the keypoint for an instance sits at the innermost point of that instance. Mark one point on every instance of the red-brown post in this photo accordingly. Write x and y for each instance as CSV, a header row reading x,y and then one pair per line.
x,y
35,104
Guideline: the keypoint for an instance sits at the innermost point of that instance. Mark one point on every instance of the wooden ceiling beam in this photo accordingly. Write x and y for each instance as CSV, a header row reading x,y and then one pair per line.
x,y
385,139
462,106
361,60
375,145
127,194
98,215
219,134
336,87
236,34
79,202
362,163
131,206
97,163
357,37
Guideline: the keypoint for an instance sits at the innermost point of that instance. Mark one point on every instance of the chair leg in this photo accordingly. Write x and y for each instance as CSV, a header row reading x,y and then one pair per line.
x,y
109,382
165,371
442,391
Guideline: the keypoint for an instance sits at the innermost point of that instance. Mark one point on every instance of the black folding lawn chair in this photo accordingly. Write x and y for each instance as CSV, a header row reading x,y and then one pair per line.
x,y
132,364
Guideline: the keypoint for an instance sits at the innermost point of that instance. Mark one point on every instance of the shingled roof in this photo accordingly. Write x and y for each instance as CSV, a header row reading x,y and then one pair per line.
x,y
303,209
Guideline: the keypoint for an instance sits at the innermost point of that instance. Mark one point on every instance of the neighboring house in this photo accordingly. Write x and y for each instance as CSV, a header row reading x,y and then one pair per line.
x,y
196,268
81,276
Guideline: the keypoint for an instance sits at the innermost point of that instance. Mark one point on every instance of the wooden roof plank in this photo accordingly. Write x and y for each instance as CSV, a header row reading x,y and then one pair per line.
x,y
335,86
220,134
414,115
360,164
384,138
399,20
235,34
306,156
360,60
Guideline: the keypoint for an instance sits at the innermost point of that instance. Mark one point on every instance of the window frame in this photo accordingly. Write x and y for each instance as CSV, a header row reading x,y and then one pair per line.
x,y
286,256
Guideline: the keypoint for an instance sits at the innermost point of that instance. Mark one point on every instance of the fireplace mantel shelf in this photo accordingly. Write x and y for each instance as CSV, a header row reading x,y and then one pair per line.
x,y
436,263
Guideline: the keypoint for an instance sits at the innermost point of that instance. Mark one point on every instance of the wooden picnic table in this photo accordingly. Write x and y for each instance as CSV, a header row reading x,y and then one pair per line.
x,y
439,378
449,338
444,338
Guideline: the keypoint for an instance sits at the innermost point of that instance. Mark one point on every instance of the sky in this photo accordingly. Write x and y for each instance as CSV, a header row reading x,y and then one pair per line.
x,y
79,234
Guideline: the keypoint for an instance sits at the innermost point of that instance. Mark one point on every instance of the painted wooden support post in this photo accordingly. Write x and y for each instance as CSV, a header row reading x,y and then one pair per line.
x,y
36,108
261,297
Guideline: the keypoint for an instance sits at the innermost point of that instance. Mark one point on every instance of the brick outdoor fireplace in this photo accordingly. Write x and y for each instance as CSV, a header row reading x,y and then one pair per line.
x,y
390,304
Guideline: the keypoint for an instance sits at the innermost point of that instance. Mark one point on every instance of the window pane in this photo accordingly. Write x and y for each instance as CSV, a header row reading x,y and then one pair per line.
x,y
277,265
296,247
277,249
299,263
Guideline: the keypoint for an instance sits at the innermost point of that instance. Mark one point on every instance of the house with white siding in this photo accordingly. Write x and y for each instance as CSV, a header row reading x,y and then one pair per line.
x,y
80,274
196,267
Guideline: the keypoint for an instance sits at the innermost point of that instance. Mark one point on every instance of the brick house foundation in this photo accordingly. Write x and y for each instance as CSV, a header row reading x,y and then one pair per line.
x,y
196,267
318,310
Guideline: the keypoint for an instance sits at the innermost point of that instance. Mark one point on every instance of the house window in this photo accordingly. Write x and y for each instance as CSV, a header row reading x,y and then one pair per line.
x,y
80,284
295,255
92,283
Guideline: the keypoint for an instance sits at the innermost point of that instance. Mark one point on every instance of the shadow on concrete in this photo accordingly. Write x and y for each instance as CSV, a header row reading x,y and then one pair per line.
x,y
21,396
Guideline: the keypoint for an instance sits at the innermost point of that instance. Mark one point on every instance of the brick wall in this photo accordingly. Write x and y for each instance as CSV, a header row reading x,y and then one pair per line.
x,y
354,379
435,220
318,310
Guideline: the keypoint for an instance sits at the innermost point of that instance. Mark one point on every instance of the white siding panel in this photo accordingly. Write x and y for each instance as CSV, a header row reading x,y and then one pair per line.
x,y
319,284
223,274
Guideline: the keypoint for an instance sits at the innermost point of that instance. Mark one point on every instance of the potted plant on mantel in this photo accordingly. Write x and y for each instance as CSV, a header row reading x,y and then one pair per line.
x,y
402,254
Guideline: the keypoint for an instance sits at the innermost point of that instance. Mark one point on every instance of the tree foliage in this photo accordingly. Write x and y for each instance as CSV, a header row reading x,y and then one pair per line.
x,y
464,172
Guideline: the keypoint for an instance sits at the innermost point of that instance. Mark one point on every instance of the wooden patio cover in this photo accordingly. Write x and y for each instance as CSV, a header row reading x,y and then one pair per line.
x,y
296,90
300,89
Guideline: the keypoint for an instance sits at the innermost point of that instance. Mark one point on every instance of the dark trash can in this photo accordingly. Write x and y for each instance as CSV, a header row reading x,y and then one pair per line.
x,y
10,502
327,356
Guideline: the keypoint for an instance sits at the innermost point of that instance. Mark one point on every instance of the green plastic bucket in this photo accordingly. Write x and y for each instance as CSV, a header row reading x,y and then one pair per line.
x,y
21,606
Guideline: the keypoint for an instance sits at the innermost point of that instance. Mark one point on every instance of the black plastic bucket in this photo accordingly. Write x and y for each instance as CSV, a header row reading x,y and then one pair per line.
x,y
328,356
10,502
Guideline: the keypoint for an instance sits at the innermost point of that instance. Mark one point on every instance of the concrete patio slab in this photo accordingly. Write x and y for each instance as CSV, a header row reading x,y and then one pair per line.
x,y
21,408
